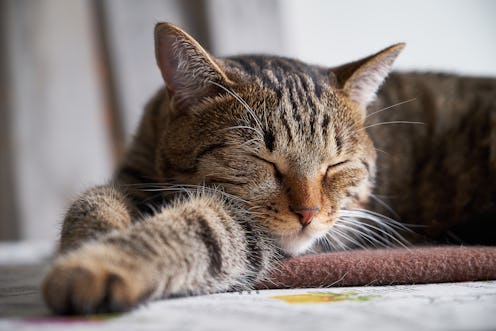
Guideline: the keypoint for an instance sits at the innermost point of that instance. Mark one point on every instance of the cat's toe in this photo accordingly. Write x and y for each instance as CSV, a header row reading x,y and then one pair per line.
x,y
70,288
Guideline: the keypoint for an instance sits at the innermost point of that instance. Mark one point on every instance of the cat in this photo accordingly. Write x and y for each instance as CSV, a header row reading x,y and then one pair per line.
x,y
243,161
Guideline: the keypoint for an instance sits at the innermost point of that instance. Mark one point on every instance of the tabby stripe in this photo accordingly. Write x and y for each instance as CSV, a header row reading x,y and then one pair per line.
x,y
141,240
209,149
303,83
174,242
325,124
287,127
366,165
302,93
278,92
168,241
247,65
261,63
268,75
287,66
152,236
339,143
269,140
212,244
127,246
312,125
315,77
295,102
312,106
308,87
294,108
280,75
266,80
254,252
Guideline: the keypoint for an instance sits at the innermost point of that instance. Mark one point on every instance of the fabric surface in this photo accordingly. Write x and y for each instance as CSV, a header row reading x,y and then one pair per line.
x,y
448,306
440,307
386,267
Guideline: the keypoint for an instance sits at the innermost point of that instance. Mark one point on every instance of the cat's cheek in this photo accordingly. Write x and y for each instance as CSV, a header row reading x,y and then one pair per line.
x,y
283,227
348,190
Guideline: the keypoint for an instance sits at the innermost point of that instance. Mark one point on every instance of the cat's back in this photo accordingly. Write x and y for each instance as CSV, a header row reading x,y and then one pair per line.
x,y
445,99
437,155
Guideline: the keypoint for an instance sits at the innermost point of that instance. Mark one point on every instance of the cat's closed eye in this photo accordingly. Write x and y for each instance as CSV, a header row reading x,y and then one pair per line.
x,y
277,172
336,166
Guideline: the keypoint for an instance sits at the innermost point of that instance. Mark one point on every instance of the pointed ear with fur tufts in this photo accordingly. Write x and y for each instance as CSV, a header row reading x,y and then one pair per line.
x,y
361,79
186,67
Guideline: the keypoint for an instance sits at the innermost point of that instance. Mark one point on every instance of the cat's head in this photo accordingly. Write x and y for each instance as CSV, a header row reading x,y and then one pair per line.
x,y
285,137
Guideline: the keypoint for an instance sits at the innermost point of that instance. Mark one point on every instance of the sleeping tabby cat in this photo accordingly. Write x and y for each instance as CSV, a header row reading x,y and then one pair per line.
x,y
242,161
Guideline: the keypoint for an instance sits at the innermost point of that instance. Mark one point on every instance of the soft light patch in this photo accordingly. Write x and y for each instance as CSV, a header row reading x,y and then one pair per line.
x,y
323,297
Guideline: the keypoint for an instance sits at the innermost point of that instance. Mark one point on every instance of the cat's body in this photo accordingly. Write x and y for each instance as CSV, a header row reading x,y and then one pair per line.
x,y
242,161
440,174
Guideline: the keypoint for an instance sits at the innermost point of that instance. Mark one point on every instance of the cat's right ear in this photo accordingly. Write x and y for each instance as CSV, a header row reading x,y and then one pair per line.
x,y
188,70
361,79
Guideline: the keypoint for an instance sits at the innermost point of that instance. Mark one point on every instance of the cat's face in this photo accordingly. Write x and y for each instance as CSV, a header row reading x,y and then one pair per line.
x,y
284,137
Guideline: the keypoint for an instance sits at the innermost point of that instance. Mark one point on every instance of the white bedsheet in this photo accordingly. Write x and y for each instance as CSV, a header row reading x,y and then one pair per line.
x,y
450,306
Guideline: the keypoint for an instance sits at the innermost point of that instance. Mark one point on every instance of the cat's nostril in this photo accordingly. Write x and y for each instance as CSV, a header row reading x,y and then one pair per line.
x,y
306,214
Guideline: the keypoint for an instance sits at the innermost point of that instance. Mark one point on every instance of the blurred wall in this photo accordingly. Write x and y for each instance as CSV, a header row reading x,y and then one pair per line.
x,y
74,75
449,35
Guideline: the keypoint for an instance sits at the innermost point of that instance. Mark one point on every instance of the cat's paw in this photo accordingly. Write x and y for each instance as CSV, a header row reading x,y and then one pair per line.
x,y
88,284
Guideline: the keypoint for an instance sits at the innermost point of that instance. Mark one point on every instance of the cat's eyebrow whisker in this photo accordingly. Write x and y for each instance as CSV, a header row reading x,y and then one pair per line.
x,y
382,151
390,122
243,102
349,134
240,127
389,107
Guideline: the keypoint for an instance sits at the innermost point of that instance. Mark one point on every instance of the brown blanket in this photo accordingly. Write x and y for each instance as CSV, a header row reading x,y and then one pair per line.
x,y
386,266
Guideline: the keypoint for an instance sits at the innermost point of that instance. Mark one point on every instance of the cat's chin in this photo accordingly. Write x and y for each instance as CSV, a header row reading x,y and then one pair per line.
x,y
297,244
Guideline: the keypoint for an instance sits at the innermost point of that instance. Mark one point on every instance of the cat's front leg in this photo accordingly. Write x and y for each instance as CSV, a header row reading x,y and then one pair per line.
x,y
197,246
96,212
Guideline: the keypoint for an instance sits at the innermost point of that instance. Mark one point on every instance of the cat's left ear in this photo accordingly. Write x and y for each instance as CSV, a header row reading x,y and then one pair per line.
x,y
188,70
361,79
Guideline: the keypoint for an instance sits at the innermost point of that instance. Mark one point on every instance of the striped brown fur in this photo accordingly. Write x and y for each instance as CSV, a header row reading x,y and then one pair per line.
x,y
239,162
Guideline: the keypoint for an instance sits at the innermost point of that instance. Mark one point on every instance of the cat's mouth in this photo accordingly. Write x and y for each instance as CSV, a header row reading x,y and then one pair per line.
x,y
296,244
299,241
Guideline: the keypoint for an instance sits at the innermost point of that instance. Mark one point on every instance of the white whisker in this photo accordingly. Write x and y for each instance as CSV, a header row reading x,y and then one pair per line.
x,y
244,103
363,228
389,107
391,122
385,205
392,234
382,151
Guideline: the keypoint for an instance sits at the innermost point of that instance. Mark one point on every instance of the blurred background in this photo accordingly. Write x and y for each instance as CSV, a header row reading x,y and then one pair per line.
x,y
74,75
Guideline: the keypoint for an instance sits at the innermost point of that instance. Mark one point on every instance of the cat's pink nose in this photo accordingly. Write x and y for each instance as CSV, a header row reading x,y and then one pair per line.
x,y
306,214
